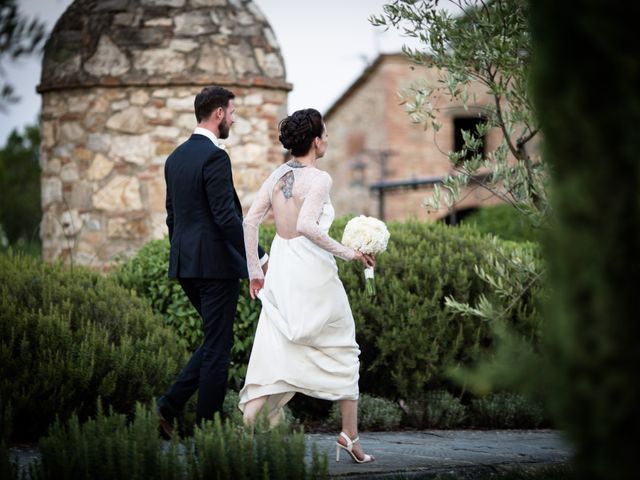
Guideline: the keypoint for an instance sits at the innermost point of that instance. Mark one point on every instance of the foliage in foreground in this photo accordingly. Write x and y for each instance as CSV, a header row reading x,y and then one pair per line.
x,y
69,336
110,447
592,337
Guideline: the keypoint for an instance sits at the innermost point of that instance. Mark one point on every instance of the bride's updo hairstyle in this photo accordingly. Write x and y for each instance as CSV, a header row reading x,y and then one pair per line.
x,y
299,129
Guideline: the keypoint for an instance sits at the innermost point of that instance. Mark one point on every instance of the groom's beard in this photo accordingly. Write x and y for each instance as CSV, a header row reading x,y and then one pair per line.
x,y
224,129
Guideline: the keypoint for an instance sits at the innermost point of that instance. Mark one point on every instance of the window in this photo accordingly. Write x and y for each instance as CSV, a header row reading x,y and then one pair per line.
x,y
469,124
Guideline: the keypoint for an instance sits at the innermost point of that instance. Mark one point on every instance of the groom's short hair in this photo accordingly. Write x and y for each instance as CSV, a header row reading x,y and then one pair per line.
x,y
209,99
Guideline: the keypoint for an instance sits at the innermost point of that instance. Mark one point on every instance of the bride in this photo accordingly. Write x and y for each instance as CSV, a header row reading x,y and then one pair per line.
x,y
305,340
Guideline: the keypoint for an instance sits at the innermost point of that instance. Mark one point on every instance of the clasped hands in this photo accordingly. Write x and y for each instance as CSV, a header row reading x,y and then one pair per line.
x,y
366,259
256,284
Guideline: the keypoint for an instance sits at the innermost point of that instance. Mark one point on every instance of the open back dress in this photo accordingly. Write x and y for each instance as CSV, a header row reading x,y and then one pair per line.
x,y
305,340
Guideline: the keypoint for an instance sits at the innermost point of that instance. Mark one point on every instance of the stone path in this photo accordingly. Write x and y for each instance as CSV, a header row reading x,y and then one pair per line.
x,y
467,453
426,454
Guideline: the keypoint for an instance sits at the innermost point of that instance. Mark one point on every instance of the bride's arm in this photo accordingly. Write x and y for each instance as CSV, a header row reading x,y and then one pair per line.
x,y
310,212
251,224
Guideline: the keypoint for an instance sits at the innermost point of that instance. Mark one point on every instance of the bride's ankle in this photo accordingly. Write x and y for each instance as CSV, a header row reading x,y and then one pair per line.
x,y
352,434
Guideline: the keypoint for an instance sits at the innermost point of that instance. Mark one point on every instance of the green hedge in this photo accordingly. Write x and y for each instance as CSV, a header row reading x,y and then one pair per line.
x,y
435,409
68,336
407,335
506,410
503,221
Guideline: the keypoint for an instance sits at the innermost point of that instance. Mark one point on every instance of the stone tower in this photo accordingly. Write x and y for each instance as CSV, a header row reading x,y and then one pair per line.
x,y
118,83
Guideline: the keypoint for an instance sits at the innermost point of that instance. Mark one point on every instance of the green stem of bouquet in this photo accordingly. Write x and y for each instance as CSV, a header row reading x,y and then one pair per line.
x,y
370,286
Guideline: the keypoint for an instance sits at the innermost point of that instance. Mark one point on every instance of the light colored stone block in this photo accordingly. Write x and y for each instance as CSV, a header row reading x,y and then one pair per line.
x,y
100,167
51,190
154,113
158,22
270,63
121,194
162,93
129,120
137,149
187,121
120,105
70,222
170,133
159,61
98,142
51,167
47,135
183,45
163,3
181,104
194,23
71,132
126,228
241,127
139,97
159,228
208,3
253,99
69,172
108,60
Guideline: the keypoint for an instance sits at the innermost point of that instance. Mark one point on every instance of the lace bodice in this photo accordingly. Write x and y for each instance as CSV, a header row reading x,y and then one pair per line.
x,y
299,197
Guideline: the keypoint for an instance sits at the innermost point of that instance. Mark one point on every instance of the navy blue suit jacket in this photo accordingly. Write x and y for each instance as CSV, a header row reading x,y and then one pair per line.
x,y
204,214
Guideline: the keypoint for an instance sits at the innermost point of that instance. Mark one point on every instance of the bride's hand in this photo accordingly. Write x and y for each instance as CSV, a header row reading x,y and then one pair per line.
x,y
366,260
255,285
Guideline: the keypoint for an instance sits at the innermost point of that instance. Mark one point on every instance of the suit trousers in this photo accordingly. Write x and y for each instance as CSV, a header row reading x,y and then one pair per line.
x,y
207,370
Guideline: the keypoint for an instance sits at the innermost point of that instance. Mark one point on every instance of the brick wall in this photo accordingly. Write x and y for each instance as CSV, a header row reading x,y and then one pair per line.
x,y
369,119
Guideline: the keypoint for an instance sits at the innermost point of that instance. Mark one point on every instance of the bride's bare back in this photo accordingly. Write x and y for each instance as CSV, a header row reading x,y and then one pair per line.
x,y
297,194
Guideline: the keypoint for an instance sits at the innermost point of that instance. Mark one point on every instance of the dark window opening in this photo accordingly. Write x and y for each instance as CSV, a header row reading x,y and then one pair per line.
x,y
456,216
469,124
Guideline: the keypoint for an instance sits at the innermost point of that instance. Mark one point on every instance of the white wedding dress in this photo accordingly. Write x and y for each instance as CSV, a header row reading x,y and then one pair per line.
x,y
305,340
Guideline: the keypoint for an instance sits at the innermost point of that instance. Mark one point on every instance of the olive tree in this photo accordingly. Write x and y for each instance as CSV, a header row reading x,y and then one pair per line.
x,y
19,36
487,42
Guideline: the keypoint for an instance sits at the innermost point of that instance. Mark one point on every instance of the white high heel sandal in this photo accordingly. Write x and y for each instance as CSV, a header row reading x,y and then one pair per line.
x,y
349,449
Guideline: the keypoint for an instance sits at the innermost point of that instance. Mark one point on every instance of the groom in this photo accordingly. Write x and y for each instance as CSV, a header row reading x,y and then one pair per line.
x,y
207,254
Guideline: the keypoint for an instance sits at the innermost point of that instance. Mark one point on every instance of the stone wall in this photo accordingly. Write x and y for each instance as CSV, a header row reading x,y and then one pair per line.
x,y
119,78
103,152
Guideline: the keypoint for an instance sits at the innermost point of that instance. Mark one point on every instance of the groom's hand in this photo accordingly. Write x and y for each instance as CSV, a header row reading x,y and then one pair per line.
x,y
255,285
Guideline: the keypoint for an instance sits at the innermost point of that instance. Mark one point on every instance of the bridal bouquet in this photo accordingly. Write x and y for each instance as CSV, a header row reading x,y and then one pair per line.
x,y
370,236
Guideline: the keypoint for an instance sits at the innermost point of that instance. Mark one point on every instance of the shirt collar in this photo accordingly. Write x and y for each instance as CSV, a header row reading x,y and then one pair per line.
x,y
210,135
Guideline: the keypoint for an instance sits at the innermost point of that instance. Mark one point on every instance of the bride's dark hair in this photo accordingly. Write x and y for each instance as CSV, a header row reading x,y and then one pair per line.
x,y
298,130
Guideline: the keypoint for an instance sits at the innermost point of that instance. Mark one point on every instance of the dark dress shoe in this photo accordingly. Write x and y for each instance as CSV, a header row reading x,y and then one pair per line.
x,y
169,416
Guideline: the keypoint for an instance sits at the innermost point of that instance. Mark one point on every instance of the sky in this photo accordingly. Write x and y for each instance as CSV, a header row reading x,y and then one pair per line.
x,y
326,45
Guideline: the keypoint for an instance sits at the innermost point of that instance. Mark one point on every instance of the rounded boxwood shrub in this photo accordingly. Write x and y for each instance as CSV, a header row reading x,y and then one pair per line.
x,y
505,410
435,409
409,339
69,336
505,222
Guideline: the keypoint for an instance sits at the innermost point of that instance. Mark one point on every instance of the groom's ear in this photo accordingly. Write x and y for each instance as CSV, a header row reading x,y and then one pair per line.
x,y
219,112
